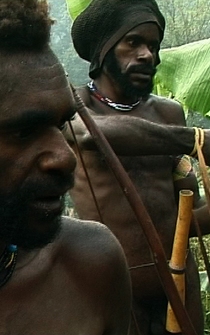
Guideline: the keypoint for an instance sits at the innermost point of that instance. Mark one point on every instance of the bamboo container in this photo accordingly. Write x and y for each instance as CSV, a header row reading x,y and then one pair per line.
x,y
178,258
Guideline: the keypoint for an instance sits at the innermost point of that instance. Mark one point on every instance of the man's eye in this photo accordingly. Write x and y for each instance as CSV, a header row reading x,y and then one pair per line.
x,y
132,42
24,133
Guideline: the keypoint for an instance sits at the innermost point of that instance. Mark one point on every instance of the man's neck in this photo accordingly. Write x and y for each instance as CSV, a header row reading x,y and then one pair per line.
x,y
122,107
110,89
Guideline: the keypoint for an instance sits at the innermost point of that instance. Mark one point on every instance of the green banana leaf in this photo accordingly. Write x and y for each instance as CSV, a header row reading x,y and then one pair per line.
x,y
184,74
75,7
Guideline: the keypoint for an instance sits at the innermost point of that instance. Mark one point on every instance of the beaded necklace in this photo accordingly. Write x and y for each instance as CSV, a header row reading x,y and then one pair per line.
x,y
109,102
7,263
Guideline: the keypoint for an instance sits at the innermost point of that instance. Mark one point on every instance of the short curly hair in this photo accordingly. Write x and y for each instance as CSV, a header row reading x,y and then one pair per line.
x,y
24,24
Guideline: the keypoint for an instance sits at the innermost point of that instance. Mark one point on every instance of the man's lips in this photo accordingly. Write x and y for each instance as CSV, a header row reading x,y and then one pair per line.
x,y
50,198
48,204
140,76
49,201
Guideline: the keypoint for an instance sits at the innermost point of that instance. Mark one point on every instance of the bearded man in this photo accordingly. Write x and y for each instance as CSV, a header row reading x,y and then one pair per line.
x,y
121,40
52,280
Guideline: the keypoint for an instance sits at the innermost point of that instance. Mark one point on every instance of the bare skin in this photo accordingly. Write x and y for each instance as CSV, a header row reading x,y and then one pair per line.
x,y
152,176
79,283
68,288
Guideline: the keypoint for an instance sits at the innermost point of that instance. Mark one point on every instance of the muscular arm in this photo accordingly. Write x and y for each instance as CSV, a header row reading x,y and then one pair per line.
x,y
129,135
136,136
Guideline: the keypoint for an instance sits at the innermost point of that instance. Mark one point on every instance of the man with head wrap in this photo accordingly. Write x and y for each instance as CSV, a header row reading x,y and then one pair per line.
x,y
121,40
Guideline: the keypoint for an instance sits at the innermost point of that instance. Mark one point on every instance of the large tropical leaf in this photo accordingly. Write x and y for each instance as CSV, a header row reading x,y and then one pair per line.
x,y
75,7
184,73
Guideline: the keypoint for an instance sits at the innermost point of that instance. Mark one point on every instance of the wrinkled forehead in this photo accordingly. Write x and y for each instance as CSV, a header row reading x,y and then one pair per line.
x,y
31,71
34,83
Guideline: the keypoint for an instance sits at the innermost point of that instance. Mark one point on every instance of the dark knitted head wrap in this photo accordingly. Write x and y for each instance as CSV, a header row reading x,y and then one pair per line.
x,y
104,22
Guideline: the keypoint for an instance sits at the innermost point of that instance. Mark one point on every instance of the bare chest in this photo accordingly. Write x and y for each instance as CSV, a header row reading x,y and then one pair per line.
x,y
150,174
152,178
53,305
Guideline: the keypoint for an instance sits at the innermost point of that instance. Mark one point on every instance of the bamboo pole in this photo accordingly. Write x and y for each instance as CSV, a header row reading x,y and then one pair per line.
x,y
178,258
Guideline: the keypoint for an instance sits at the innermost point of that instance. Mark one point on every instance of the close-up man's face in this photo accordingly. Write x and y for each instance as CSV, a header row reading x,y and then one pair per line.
x,y
132,62
36,163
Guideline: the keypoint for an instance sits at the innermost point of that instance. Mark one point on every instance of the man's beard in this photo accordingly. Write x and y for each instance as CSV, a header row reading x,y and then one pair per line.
x,y
16,218
122,79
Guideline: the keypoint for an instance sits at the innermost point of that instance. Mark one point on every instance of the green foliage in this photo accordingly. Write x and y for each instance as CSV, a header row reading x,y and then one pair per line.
x,y
205,288
205,296
184,75
186,21
75,7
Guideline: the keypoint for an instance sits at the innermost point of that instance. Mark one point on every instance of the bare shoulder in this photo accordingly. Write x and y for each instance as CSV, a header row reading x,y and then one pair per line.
x,y
170,108
95,265
90,241
165,102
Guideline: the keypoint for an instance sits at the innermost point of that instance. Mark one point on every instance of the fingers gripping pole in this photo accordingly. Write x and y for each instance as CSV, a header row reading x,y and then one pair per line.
x,y
178,258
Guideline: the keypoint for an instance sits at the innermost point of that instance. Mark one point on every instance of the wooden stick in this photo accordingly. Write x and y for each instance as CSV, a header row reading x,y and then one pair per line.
x,y
178,258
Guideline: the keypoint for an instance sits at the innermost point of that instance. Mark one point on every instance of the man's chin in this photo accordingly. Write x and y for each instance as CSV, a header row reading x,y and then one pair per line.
x,y
37,239
144,90
137,89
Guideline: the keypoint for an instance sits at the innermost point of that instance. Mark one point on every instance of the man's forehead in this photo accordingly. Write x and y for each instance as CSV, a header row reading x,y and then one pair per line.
x,y
25,100
150,28
22,74
29,59
27,83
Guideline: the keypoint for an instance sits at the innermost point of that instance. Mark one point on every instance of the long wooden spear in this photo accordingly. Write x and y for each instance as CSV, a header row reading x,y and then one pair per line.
x,y
142,216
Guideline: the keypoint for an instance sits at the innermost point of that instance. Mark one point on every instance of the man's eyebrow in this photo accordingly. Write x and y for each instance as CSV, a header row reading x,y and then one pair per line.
x,y
27,118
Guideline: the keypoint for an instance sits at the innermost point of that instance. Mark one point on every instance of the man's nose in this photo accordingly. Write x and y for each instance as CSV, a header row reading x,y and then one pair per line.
x,y
56,154
144,53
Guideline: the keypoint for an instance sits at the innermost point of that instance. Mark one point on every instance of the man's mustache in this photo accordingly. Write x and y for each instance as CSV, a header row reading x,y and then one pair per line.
x,y
143,68
51,186
40,187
